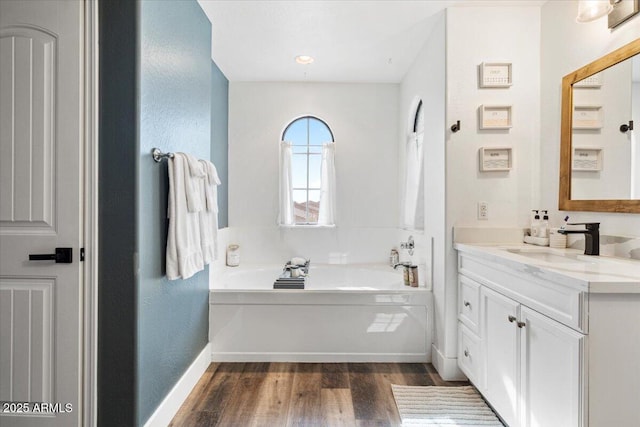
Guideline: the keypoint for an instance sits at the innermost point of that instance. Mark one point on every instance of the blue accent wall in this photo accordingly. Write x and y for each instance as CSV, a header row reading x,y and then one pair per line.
x,y
175,115
220,139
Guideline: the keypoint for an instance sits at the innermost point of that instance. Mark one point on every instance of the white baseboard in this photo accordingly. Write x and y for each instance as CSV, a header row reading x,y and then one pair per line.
x,y
447,367
319,357
178,394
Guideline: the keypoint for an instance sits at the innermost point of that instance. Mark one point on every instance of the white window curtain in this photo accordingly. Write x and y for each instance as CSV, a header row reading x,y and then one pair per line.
x,y
327,212
414,184
286,185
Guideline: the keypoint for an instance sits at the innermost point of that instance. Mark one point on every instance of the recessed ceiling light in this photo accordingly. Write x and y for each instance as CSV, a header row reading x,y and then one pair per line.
x,y
304,59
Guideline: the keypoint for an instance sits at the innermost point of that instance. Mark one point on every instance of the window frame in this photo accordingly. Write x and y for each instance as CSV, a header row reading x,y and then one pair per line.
x,y
308,155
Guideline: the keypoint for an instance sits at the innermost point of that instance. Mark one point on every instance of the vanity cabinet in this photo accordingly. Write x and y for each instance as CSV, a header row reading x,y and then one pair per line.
x,y
527,364
551,343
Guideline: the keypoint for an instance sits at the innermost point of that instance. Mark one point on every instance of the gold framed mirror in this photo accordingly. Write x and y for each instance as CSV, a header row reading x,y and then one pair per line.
x,y
592,128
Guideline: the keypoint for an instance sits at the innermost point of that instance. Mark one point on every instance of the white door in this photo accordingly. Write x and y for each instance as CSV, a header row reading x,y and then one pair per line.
x,y
41,128
501,337
551,372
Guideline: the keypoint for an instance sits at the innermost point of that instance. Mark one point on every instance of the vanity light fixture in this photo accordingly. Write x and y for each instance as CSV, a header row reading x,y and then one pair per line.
x,y
304,59
590,10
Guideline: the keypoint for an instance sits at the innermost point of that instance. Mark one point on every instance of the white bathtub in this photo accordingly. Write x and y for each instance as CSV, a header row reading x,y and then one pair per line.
x,y
346,313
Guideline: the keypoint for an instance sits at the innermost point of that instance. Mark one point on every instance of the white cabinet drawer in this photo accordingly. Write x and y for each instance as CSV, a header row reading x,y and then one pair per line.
x,y
561,303
470,356
469,303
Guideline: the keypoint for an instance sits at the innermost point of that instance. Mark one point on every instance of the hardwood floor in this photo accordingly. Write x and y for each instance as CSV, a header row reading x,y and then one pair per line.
x,y
301,394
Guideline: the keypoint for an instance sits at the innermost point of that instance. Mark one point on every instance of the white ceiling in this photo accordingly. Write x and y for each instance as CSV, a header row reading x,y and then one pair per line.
x,y
351,41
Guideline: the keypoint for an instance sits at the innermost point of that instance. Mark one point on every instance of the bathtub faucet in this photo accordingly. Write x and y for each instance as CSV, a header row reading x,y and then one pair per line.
x,y
408,245
403,264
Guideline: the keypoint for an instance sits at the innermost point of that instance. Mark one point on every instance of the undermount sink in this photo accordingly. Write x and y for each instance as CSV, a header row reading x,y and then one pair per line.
x,y
547,255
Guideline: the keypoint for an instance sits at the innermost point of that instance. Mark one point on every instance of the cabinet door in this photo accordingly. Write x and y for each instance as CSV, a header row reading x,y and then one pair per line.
x,y
551,372
501,337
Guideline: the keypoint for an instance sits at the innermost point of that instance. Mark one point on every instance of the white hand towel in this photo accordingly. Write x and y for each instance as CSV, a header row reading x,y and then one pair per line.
x,y
184,252
196,168
209,216
210,188
194,177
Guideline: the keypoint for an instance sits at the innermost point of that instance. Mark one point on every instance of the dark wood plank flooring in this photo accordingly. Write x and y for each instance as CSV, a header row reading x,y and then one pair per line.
x,y
301,394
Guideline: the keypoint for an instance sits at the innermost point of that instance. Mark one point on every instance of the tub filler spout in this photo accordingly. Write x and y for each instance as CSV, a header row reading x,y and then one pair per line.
x,y
401,264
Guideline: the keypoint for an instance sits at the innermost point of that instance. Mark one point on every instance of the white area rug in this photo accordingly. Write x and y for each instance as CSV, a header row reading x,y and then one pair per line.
x,y
442,406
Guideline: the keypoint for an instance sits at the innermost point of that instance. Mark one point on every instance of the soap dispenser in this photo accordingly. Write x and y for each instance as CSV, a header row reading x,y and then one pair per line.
x,y
544,225
535,224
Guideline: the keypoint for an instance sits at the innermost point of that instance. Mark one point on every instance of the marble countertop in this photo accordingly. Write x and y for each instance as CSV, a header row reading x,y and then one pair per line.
x,y
596,274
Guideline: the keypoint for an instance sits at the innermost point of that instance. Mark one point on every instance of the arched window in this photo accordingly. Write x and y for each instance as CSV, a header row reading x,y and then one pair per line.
x,y
310,142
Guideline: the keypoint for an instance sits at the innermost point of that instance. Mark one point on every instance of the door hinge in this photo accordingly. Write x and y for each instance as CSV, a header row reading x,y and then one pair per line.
x,y
81,254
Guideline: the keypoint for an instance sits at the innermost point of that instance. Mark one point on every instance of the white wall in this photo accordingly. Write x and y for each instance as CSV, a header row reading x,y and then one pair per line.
x,y
470,36
567,46
364,120
426,80
476,35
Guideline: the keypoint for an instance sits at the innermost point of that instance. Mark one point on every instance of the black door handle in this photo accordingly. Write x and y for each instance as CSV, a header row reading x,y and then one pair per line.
x,y
62,256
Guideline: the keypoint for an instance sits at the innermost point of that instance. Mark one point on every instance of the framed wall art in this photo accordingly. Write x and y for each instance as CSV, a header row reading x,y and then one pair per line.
x,y
495,74
494,116
495,159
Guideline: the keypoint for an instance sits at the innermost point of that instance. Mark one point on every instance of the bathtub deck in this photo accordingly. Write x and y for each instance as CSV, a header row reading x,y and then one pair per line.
x,y
301,394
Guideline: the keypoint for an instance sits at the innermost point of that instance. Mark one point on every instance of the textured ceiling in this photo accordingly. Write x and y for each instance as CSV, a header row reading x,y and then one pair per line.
x,y
351,41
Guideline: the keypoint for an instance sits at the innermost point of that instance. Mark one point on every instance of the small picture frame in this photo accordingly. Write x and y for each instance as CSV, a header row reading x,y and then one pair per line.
x,y
587,117
495,159
588,159
594,81
495,116
495,75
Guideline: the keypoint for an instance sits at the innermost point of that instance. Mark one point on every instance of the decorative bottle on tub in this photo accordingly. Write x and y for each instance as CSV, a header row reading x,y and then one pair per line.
x,y
413,276
394,257
233,255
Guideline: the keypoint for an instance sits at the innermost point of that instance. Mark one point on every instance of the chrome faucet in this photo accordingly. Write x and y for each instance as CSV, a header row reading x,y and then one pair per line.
x,y
591,236
408,245
403,264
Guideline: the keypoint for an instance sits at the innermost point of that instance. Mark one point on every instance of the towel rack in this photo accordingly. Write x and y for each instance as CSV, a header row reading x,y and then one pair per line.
x,y
159,156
